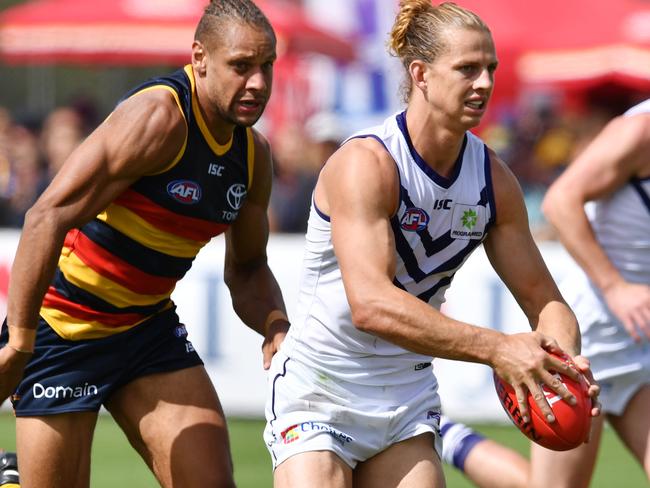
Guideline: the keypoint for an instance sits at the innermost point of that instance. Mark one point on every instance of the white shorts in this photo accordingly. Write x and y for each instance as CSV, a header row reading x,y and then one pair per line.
x,y
620,366
308,410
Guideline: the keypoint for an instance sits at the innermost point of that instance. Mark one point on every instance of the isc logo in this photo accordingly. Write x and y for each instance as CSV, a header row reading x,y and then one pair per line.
x,y
184,191
444,204
414,219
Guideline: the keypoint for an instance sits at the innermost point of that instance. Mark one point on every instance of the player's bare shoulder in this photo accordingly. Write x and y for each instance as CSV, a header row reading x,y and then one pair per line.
x,y
638,128
148,127
362,158
361,171
160,103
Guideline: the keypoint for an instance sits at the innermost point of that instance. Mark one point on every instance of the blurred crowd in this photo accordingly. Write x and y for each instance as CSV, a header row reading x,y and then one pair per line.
x,y
31,153
537,142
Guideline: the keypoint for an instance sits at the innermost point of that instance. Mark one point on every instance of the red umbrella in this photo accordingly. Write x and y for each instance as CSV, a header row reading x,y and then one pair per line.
x,y
136,32
616,48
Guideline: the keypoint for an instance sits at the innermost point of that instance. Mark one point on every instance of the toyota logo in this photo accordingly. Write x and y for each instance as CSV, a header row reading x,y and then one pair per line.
x,y
236,195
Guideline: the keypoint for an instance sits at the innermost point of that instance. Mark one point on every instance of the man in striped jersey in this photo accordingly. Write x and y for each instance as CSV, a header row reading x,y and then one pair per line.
x,y
90,321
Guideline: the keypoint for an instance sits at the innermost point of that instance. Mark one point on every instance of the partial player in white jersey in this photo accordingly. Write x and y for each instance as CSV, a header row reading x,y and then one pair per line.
x,y
396,211
610,292
601,208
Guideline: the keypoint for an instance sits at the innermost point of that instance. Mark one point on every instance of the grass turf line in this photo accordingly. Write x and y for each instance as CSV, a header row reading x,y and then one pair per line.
x,y
115,463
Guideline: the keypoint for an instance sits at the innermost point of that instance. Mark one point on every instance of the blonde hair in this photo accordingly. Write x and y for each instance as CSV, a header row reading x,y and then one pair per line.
x,y
417,31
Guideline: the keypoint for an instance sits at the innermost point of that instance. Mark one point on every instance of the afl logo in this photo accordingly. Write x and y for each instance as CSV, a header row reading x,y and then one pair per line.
x,y
236,195
414,220
184,191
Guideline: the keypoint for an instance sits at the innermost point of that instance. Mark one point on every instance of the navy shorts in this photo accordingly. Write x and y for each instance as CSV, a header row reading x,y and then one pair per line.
x,y
79,376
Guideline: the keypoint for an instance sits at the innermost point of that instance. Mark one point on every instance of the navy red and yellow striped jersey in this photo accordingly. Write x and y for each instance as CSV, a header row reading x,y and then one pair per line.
x,y
121,268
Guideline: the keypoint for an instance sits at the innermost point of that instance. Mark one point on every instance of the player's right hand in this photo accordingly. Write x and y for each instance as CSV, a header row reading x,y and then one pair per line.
x,y
630,302
274,337
12,366
523,361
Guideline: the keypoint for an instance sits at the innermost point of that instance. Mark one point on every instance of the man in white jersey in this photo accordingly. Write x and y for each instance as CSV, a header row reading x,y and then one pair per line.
x,y
396,211
601,209
610,292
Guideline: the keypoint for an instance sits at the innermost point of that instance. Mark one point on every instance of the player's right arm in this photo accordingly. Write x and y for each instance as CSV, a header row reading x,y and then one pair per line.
x,y
617,154
358,188
142,136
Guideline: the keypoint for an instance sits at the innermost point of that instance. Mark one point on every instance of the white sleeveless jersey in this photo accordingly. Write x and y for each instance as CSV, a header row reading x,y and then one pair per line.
x,y
440,221
643,107
621,222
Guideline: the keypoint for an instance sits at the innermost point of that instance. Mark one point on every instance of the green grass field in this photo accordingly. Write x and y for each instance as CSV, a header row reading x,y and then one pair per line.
x,y
116,464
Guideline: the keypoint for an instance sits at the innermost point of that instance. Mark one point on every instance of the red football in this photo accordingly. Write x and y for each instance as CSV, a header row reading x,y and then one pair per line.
x,y
572,422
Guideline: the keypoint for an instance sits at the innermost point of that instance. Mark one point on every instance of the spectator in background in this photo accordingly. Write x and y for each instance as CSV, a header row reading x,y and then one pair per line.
x,y
30,155
293,181
5,165
299,155
63,130
27,177
326,132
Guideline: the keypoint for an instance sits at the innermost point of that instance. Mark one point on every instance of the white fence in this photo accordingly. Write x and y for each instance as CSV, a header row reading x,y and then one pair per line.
x,y
232,354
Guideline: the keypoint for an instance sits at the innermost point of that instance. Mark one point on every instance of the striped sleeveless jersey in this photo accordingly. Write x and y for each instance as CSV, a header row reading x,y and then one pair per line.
x,y
121,268
439,222
621,222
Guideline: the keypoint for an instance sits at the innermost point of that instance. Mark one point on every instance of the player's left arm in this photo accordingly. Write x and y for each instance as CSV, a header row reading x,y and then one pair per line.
x,y
618,154
255,293
516,259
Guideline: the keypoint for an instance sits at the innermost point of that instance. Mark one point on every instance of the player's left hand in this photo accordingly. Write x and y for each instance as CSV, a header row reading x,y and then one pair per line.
x,y
594,390
275,334
583,365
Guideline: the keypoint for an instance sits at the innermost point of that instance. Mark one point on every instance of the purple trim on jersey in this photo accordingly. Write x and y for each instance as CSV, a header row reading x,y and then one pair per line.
x,y
432,246
490,190
277,377
636,184
438,179
322,215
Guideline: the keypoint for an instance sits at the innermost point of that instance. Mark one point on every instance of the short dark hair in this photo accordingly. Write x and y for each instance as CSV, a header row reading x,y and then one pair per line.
x,y
218,12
